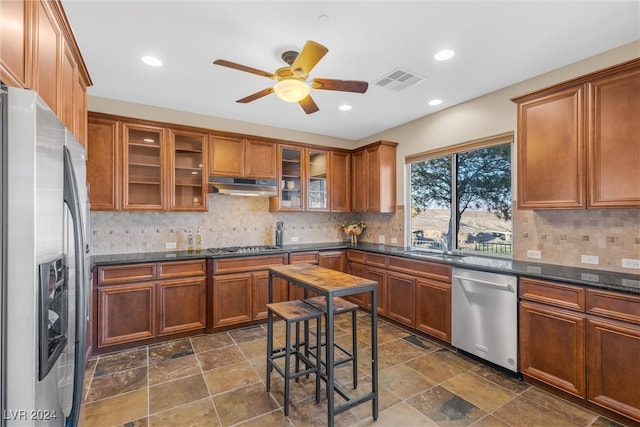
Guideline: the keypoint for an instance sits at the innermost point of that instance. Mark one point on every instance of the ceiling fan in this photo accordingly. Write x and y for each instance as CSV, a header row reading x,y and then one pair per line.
x,y
291,83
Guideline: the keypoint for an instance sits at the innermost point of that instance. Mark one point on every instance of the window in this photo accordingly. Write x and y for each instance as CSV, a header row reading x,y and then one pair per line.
x,y
465,192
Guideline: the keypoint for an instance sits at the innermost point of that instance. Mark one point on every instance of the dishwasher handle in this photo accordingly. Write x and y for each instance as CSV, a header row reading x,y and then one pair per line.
x,y
481,282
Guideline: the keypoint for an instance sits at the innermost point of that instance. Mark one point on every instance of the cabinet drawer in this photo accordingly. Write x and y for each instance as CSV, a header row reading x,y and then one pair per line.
x,y
421,268
126,273
310,257
560,295
356,256
614,305
175,269
238,265
376,259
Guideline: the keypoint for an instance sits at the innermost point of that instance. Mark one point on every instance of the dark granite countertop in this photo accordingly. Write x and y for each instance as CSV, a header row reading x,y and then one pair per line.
x,y
609,280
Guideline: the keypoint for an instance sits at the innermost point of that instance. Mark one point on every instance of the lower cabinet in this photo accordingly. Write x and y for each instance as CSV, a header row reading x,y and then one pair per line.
x,y
433,308
379,275
414,293
373,267
582,341
241,289
401,304
126,313
334,260
243,297
552,347
359,270
144,301
182,304
260,293
241,285
232,302
613,366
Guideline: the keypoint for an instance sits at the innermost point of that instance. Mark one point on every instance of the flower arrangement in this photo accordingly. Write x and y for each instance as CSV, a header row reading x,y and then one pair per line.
x,y
353,228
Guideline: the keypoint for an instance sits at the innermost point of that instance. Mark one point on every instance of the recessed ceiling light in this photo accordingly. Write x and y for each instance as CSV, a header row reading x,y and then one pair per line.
x,y
323,17
345,107
151,60
435,102
444,54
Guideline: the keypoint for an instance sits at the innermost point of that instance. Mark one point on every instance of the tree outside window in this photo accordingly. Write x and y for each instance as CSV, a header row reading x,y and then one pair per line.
x,y
480,188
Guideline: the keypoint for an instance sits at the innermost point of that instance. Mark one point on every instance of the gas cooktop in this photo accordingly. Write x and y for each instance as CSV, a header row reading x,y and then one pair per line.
x,y
242,249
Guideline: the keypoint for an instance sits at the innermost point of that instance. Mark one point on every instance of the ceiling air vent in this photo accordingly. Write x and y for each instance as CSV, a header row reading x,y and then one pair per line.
x,y
399,80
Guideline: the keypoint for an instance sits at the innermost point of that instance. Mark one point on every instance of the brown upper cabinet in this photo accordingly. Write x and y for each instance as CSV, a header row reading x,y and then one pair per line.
x,y
339,182
103,163
292,168
613,141
579,142
187,154
38,51
144,179
374,178
317,180
312,179
139,165
136,164
240,157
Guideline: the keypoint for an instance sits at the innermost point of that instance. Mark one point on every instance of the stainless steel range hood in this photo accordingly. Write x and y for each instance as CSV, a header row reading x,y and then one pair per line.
x,y
242,186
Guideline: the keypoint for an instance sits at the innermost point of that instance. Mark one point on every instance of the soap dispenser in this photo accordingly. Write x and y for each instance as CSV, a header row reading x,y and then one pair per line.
x,y
190,240
198,240
279,233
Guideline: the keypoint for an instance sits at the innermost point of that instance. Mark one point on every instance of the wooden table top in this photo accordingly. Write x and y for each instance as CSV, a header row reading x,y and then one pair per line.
x,y
320,277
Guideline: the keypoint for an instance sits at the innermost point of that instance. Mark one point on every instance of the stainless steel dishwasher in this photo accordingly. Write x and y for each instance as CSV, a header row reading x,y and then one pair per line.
x,y
484,316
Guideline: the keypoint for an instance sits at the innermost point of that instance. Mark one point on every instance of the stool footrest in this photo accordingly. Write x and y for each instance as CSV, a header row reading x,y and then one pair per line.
x,y
340,305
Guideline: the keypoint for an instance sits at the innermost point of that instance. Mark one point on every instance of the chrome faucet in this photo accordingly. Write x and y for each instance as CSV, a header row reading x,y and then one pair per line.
x,y
443,243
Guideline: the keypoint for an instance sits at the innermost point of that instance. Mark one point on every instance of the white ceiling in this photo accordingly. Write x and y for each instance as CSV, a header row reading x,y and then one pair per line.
x,y
497,44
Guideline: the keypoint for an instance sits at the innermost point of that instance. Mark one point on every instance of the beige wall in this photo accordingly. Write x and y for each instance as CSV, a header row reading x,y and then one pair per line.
x,y
562,236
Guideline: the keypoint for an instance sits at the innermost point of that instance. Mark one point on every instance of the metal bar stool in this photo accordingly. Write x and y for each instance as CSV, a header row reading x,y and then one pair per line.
x,y
340,306
292,312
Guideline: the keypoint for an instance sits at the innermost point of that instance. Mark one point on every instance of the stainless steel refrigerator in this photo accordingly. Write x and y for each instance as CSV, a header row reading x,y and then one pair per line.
x,y
43,264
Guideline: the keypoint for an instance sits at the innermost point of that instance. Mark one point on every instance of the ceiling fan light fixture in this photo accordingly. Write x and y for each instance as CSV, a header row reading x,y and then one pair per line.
x,y
291,89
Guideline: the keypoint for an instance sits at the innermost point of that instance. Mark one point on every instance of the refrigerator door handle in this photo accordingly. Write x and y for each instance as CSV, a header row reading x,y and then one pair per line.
x,y
71,198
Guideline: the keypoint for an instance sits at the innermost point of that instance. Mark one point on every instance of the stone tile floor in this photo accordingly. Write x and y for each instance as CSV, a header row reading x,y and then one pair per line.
x,y
218,380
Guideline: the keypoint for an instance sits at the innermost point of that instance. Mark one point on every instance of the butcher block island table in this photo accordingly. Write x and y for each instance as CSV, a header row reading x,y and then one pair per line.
x,y
331,283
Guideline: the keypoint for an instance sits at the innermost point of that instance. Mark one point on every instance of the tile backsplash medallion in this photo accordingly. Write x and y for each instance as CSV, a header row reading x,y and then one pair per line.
x,y
230,221
563,236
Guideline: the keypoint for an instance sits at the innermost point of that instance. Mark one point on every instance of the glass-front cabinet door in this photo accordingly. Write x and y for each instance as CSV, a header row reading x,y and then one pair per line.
x,y
291,179
144,171
188,188
317,184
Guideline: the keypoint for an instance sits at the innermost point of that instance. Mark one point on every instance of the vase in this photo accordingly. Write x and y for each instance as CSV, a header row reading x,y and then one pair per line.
x,y
354,239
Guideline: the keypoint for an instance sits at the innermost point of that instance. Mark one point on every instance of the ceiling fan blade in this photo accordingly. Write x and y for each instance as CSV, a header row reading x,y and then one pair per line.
x,y
241,67
310,55
257,95
308,105
341,85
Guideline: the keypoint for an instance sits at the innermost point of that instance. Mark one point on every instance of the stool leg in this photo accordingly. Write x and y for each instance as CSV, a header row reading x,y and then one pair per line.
x,y
269,348
318,361
287,367
297,350
354,348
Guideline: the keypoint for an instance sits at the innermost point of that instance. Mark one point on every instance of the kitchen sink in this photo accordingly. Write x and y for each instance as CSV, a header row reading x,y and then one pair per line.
x,y
435,255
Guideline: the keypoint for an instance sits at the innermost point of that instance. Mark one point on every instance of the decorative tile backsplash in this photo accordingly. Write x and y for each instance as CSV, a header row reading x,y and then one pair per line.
x,y
563,236
230,221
